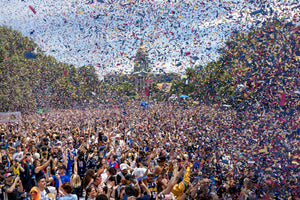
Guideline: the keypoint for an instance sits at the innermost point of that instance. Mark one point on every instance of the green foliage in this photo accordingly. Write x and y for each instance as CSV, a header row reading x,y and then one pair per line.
x,y
30,84
126,89
265,54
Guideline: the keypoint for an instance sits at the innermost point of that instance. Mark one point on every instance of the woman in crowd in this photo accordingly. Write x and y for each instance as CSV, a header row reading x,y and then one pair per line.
x,y
66,192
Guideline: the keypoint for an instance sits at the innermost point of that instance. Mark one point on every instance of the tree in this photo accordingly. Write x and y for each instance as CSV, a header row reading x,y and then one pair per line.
x,y
28,84
259,66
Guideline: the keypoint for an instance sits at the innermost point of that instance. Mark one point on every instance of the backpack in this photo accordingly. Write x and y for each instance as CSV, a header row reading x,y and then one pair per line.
x,y
49,194
47,190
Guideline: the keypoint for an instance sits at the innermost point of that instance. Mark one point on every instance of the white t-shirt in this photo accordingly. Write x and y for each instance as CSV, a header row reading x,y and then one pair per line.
x,y
18,155
139,172
104,177
44,195
51,195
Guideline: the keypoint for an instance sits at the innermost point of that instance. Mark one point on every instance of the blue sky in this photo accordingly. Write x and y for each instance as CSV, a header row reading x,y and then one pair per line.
x,y
106,34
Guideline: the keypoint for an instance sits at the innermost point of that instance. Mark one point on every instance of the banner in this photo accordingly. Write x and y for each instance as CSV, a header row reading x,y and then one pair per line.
x,y
165,87
10,116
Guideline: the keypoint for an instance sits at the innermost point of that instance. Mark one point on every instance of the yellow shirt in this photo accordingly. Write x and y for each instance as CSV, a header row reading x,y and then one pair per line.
x,y
178,189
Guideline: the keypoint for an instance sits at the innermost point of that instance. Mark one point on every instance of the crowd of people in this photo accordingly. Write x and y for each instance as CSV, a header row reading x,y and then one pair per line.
x,y
160,151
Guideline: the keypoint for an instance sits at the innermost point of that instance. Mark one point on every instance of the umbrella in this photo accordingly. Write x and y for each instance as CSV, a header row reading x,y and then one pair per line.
x,y
184,96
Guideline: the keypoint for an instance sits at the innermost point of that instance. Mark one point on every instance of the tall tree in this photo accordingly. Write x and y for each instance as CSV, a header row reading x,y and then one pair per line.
x,y
31,80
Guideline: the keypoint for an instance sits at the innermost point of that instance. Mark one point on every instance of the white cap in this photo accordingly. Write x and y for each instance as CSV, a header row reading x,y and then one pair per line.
x,y
36,156
123,166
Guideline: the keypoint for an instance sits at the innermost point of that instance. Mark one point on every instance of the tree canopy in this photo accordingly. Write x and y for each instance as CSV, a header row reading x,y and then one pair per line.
x,y
31,80
258,67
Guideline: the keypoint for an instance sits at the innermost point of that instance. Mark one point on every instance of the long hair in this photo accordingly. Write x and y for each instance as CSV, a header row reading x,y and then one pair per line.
x,y
75,181
87,178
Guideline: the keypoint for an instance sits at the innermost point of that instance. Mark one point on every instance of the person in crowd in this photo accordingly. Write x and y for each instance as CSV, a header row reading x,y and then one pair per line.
x,y
39,169
41,191
166,152
66,192
91,193
26,171
60,176
76,181
88,179
122,173
112,162
19,153
12,188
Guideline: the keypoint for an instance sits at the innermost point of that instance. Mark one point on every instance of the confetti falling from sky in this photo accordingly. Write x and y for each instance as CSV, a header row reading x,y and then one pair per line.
x,y
106,34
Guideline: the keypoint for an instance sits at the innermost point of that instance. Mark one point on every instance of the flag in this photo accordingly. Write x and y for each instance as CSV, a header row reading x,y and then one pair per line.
x,y
146,91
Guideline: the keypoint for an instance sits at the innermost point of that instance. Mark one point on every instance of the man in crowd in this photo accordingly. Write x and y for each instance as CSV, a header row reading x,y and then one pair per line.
x,y
12,188
42,192
122,173
61,172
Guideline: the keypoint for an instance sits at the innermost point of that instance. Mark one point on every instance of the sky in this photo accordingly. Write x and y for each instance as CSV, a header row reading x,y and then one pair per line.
x,y
106,33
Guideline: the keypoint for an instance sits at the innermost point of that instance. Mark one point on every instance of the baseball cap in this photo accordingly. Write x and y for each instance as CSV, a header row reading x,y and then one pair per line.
x,y
4,158
123,166
7,175
161,159
61,167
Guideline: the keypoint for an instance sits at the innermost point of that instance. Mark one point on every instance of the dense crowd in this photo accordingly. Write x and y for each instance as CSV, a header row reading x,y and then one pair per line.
x,y
157,151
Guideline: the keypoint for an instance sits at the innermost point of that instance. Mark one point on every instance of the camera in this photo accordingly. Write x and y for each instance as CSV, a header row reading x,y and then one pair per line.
x,y
54,155
81,156
60,158
167,196
2,146
100,137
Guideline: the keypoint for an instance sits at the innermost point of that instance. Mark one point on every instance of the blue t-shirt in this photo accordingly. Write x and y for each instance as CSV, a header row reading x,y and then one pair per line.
x,y
69,197
63,179
145,197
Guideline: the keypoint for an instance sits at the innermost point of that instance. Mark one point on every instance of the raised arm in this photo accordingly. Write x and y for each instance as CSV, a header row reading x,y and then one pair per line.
x,y
20,186
75,165
21,168
146,188
38,169
13,186
173,181
65,158
59,181
48,179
